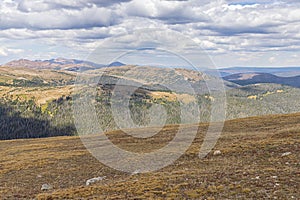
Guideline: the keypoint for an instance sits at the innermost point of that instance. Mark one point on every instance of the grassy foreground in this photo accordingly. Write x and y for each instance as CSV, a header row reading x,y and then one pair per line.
x,y
251,166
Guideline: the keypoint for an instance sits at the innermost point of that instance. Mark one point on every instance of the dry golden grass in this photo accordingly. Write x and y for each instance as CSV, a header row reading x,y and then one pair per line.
x,y
185,98
190,74
10,73
250,166
40,94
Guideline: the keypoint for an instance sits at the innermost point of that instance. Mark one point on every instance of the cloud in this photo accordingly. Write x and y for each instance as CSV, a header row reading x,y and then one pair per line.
x,y
46,5
108,3
4,51
171,12
220,27
59,19
272,59
252,2
261,19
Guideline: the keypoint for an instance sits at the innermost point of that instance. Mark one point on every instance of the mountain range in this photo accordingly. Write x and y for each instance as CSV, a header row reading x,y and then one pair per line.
x,y
30,71
233,77
278,71
59,64
254,78
43,91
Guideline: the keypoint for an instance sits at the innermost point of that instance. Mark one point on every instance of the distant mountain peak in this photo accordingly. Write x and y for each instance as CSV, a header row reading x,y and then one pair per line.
x,y
116,64
21,63
55,63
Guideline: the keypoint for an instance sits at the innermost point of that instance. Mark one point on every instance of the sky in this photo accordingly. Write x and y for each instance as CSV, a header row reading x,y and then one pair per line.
x,y
230,32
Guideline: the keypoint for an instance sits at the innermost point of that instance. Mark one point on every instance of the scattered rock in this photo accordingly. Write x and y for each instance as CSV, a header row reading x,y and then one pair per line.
x,y
135,172
217,152
286,154
46,187
94,180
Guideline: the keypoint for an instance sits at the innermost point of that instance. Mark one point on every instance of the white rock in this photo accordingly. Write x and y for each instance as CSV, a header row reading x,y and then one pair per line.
x,y
135,172
46,187
286,154
274,176
94,180
257,177
217,152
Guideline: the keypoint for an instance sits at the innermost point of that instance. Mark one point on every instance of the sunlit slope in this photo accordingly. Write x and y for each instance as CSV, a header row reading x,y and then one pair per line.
x,y
27,77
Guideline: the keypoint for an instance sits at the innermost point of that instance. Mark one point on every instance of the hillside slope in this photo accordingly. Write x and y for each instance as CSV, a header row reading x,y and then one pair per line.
x,y
262,99
27,77
251,166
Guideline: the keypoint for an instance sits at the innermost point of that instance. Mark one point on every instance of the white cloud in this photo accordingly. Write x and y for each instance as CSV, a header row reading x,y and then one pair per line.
x,y
241,30
168,11
88,17
46,5
272,59
15,51
4,51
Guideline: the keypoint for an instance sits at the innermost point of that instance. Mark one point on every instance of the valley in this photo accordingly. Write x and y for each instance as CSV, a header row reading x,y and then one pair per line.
x,y
41,93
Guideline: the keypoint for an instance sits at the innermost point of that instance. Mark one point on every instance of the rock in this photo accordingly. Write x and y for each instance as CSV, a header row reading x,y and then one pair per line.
x,y
94,180
46,187
274,176
135,172
255,178
286,154
217,152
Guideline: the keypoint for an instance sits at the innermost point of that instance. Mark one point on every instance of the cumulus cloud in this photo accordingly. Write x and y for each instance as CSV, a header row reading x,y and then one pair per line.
x,y
55,19
4,51
219,26
174,12
46,5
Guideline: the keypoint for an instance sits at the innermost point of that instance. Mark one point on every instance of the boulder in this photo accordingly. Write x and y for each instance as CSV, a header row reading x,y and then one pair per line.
x,y
286,154
94,180
46,187
217,152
